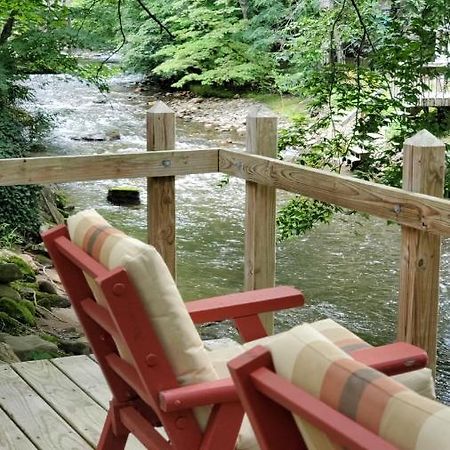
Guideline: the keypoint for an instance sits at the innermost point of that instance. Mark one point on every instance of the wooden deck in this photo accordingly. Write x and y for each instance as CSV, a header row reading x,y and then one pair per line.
x,y
57,404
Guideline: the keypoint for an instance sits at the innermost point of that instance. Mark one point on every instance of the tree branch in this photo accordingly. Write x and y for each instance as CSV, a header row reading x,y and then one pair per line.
x,y
155,19
8,27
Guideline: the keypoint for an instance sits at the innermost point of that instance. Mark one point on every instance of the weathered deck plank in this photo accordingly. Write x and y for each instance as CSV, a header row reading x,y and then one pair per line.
x,y
43,426
65,397
86,374
11,437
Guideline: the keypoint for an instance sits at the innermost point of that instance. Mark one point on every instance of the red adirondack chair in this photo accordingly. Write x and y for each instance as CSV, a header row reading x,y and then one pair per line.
x,y
145,341
347,405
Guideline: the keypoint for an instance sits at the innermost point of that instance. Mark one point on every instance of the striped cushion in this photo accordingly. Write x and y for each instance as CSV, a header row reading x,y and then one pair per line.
x,y
157,289
420,381
379,403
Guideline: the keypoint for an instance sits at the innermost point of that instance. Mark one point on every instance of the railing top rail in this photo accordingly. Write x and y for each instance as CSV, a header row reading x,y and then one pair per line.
x,y
63,169
418,211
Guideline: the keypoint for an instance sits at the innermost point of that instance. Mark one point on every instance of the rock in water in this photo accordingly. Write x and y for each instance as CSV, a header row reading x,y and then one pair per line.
x,y
9,272
124,195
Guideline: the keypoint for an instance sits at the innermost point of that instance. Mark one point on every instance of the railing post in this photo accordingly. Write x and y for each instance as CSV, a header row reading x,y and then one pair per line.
x,y
161,190
423,172
260,210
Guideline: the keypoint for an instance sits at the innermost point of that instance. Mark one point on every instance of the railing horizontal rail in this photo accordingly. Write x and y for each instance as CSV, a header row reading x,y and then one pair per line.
x,y
419,211
61,169
422,212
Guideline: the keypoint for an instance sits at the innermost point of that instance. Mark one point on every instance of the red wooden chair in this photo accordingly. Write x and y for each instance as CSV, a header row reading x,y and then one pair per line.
x,y
147,346
312,396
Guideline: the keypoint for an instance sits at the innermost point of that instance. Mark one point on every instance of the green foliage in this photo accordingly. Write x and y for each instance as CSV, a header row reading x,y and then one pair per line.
x,y
300,214
23,311
210,48
34,38
9,238
29,274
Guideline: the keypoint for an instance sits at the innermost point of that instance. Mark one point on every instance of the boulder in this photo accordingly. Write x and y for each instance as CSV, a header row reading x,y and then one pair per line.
x,y
124,195
52,300
47,286
9,272
8,292
113,135
78,346
30,346
7,356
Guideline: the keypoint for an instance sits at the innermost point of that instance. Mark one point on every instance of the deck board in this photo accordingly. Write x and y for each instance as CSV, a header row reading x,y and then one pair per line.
x,y
11,437
54,404
86,374
32,414
65,397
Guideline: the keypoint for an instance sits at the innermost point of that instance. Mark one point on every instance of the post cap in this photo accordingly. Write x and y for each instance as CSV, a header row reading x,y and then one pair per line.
x,y
160,108
424,139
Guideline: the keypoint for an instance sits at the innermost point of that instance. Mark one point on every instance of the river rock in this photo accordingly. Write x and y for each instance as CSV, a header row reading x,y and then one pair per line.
x,y
7,355
124,195
25,347
78,346
52,300
113,135
9,272
47,286
8,292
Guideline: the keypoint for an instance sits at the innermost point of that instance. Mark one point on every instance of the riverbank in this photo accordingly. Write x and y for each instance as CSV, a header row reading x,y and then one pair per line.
x,y
36,321
226,114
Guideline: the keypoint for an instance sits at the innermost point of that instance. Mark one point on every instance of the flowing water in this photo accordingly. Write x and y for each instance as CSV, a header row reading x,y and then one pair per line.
x,y
348,269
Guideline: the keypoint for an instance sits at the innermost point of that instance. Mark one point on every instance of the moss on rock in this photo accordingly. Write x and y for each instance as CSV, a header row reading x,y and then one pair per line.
x,y
21,310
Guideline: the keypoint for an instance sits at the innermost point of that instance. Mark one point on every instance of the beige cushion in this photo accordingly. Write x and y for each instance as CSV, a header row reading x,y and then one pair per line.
x,y
157,290
161,300
420,381
379,403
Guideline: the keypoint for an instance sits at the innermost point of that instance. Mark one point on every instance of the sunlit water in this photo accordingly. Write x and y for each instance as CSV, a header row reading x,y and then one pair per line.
x,y
348,270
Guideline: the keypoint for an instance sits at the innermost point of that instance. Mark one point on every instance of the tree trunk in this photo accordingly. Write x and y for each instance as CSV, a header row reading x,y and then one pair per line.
x,y
8,27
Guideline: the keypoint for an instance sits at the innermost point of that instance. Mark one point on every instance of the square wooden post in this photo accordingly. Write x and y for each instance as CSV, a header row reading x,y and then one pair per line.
x,y
161,190
260,210
423,172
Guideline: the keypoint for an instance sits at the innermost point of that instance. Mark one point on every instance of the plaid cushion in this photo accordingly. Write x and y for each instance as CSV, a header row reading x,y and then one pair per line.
x,y
379,403
420,381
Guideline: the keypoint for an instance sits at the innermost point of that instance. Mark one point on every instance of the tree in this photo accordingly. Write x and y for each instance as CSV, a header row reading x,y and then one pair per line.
x,y
33,38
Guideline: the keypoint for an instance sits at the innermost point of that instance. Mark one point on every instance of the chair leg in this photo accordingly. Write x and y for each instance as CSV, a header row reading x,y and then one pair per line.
x,y
108,439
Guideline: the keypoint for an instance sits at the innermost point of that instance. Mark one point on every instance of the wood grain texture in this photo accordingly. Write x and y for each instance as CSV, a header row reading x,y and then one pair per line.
x,y
34,416
87,375
419,211
11,437
260,211
64,396
423,172
62,169
161,191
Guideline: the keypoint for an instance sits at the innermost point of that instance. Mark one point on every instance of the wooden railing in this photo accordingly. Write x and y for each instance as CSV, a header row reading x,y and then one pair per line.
x,y
424,216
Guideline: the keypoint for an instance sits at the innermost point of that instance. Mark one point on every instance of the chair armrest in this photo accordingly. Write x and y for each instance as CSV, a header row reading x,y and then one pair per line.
x,y
392,359
243,304
207,393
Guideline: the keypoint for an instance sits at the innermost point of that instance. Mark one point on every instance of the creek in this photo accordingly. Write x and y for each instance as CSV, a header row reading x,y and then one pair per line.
x,y
347,269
